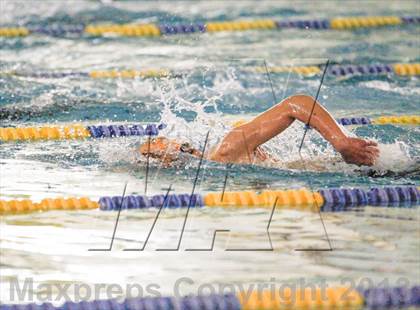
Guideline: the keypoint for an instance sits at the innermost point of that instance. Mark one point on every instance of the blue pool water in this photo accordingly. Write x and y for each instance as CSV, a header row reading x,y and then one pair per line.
x,y
215,87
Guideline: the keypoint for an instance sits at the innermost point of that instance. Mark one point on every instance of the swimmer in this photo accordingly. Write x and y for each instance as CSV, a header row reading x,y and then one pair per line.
x,y
242,144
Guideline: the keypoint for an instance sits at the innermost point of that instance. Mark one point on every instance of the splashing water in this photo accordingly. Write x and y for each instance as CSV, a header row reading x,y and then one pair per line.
x,y
215,85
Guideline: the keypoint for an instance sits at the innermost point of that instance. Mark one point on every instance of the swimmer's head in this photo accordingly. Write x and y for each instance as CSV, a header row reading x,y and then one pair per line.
x,y
166,149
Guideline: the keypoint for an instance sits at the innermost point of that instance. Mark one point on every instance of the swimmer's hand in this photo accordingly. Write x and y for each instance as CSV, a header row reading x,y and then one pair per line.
x,y
358,151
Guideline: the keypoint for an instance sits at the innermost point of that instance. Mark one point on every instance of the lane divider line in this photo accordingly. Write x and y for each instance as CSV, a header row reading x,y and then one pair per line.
x,y
328,200
157,30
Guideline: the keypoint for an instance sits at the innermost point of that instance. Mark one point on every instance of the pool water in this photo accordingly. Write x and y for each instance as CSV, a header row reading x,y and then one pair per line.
x,y
215,86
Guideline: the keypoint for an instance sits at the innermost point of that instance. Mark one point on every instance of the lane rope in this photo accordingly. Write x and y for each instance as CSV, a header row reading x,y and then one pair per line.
x,y
382,120
337,70
346,70
328,200
71,132
156,30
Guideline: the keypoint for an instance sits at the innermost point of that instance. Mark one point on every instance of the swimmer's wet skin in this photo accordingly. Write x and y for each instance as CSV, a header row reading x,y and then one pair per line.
x,y
241,145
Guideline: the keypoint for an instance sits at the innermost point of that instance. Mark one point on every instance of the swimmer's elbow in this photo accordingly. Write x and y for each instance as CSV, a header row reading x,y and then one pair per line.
x,y
300,99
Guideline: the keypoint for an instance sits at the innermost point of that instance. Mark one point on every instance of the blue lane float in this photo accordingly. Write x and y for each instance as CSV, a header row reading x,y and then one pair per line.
x,y
342,199
348,121
395,298
156,201
108,131
167,29
350,70
410,20
304,24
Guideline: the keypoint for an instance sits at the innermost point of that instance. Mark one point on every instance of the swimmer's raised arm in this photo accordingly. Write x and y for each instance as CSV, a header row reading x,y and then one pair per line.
x,y
241,143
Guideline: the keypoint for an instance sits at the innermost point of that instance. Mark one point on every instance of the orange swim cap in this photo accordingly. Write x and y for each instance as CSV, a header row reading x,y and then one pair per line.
x,y
159,146
166,149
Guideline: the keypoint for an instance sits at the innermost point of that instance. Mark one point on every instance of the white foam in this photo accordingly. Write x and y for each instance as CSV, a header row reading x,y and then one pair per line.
x,y
394,157
388,87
